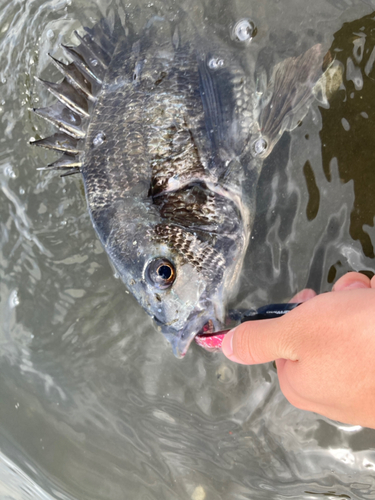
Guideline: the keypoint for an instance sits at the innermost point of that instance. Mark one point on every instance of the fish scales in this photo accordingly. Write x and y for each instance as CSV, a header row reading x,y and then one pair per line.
x,y
172,151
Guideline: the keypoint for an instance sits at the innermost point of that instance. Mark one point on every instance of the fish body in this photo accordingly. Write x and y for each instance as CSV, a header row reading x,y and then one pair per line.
x,y
169,134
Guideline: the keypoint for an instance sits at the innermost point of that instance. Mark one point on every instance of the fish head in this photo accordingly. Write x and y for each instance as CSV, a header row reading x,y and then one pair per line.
x,y
181,277
181,299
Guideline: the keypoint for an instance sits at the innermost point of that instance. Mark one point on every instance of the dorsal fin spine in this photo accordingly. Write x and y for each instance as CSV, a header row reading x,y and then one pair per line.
x,y
67,95
81,64
59,142
83,79
75,78
94,49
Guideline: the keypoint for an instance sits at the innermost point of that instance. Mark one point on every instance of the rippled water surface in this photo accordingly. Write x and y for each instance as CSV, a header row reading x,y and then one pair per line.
x,y
93,405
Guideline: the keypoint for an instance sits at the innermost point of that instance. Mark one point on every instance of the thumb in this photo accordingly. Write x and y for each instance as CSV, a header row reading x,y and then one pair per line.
x,y
256,342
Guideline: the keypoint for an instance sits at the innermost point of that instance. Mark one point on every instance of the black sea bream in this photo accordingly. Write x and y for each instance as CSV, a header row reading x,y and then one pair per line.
x,y
169,134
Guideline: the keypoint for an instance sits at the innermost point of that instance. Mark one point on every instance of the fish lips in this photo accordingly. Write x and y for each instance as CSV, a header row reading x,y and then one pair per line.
x,y
180,340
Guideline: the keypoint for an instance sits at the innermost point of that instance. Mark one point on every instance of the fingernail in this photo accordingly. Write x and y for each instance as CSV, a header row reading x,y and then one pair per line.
x,y
355,285
227,345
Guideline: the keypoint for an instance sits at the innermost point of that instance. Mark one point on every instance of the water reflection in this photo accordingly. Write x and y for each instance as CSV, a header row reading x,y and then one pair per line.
x,y
93,404
351,119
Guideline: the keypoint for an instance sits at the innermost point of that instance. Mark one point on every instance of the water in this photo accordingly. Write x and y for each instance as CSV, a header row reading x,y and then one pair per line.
x,y
93,403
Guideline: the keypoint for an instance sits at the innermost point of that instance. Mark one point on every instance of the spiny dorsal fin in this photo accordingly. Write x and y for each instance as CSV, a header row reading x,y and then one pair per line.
x,y
75,78
94,51
88,68
67,95
63,118
76,95
71,172
67,161
59,142
101,33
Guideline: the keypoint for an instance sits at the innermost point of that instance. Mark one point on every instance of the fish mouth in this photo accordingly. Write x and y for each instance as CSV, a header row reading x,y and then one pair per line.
x,y
208,339
180,340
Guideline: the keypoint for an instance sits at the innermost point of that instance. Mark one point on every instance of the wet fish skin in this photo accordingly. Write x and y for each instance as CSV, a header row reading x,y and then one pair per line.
x,y
172,154
153,185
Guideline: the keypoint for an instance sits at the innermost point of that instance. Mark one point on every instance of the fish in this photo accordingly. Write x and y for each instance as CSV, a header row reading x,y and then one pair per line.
x,y
169,131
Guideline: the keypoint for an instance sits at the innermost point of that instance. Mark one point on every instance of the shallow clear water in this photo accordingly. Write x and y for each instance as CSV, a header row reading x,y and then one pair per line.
x,y
93,405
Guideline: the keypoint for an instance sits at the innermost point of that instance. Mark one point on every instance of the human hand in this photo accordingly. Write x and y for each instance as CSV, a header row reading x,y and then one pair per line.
x,y
324,350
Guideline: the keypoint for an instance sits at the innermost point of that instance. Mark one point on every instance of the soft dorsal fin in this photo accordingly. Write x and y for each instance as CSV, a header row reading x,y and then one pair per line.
x,y
288,96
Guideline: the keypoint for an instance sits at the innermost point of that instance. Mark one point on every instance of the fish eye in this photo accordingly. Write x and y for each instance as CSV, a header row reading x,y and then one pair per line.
x,y
161,273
